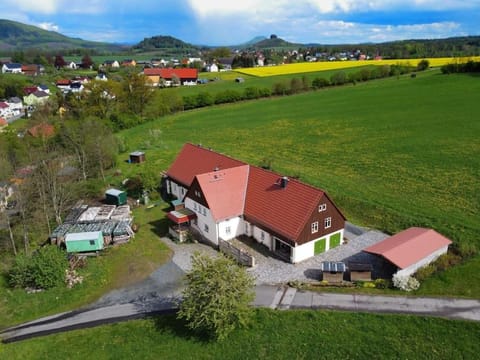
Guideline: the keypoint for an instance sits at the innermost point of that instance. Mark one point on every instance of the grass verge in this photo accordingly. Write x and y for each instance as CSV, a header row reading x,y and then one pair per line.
x,y
271,334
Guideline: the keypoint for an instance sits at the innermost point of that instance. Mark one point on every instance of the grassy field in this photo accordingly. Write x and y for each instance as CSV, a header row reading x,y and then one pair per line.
x,y
271,335
299,68
392,153
117,267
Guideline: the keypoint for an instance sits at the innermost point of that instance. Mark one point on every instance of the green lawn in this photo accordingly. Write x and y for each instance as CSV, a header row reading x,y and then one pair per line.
x,y
271,335
116,267
392,153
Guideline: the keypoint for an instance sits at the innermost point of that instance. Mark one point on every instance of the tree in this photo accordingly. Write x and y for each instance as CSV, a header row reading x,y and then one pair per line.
x,y
87,61
45,269
423,65
217,296
59,62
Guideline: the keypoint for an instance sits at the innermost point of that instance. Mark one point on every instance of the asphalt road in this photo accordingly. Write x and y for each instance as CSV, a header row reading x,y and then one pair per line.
x,y
274,297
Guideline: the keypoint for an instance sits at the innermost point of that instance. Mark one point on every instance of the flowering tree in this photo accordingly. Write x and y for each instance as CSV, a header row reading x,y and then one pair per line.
x,y
405,282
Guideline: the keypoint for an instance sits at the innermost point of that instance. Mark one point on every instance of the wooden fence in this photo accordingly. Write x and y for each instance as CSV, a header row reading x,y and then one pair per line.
x,y
241,256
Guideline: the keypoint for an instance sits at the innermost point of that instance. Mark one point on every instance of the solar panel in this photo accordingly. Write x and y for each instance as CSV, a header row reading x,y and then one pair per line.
x,y
331,266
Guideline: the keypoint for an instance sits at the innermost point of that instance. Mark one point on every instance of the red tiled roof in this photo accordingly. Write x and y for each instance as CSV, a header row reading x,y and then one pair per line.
x,y
63,82
224,191
409,246
3,105
30,90
194,160
152,72
182,73
42,129
285,210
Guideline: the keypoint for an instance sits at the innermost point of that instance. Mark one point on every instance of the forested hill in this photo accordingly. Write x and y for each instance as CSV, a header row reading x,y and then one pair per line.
x,y
163,42
405,49
15,36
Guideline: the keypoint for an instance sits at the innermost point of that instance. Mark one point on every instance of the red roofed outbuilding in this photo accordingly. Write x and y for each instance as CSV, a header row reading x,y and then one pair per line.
x,y
411,249
232,198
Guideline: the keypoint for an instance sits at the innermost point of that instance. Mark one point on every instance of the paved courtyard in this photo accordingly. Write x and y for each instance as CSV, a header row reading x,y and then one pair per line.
x,y
271,270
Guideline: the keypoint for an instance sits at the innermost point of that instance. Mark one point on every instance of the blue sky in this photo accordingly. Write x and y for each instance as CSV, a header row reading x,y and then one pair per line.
x,y
229,22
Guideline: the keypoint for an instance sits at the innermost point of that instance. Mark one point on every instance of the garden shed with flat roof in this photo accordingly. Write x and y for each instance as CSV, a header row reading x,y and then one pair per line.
x,y
115,197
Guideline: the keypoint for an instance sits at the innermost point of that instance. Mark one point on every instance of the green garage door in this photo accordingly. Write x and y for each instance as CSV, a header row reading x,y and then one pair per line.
x,y
320,246
334,240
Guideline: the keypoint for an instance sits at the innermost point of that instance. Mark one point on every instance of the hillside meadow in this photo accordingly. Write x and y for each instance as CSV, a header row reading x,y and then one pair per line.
x,y
392,153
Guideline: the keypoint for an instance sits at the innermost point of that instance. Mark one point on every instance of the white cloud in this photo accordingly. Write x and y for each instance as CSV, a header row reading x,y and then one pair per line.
x,y
57,6
48,26
270,8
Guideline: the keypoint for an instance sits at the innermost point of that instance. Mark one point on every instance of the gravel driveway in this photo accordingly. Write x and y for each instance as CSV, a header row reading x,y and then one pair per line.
x,y
165,284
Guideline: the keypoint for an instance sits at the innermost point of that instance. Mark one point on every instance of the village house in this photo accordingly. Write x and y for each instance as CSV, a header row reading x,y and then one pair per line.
x,y
5,110
168,76
111,63
16,106
227,198
12,68
39,97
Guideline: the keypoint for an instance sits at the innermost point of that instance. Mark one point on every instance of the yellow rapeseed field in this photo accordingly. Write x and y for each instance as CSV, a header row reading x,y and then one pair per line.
x,y
299,68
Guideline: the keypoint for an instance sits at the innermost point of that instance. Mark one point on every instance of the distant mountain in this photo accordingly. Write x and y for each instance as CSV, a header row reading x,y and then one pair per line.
x,y
163,42
18,36
273,42
255,40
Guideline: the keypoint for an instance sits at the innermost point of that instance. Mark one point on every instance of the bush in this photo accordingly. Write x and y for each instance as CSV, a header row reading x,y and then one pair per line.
x,y
405,283
339,78
43,270
217,296
447,260
423,65
425,272
319,83
382,283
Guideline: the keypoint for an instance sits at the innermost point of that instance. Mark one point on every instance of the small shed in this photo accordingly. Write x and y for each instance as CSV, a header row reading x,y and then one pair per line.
x,y
115,197
333,271
137,157
360,271
84,241
411,249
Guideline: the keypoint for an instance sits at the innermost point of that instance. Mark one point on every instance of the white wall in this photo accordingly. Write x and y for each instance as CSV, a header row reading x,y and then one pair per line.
x,y
267,238
237,227
204,217
307,250
424,262
176,190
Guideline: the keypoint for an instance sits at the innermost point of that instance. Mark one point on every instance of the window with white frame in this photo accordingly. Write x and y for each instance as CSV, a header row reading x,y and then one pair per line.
x,y
205,227
322,207
328,222
204,211
262,235
228,230
195,206
314,227
197,193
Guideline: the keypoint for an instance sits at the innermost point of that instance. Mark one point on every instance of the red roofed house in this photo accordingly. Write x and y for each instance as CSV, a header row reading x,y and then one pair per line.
x,y
411,249
231,198
43,130
185,76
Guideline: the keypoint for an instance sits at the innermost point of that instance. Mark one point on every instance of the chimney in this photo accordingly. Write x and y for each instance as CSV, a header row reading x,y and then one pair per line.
x,y
283,182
